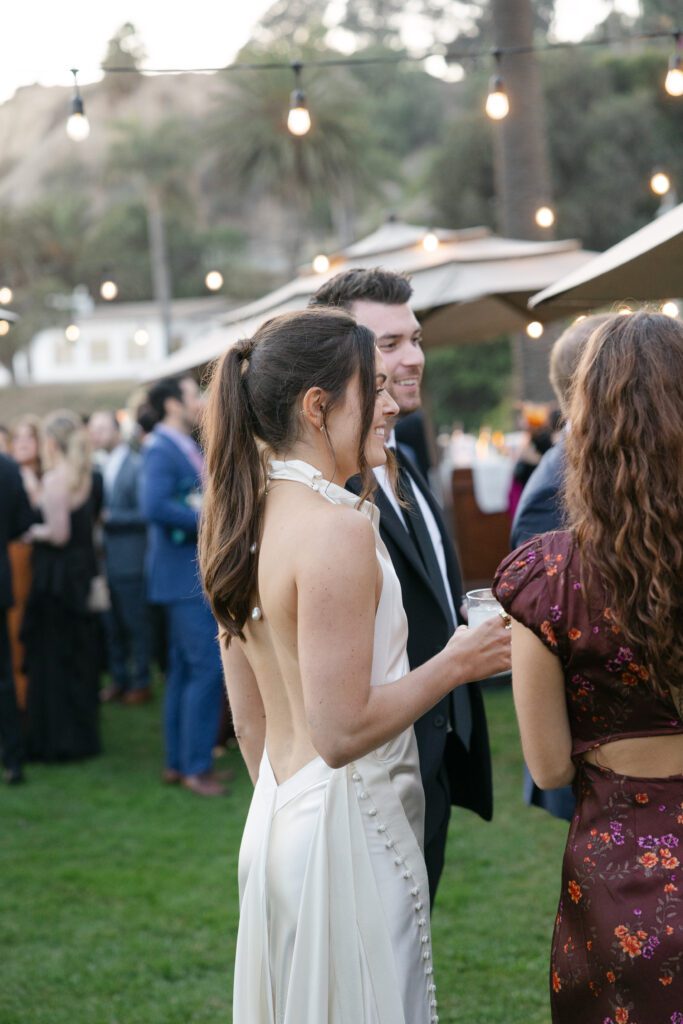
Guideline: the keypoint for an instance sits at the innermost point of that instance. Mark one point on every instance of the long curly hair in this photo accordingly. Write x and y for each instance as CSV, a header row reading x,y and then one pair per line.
x,y
624,480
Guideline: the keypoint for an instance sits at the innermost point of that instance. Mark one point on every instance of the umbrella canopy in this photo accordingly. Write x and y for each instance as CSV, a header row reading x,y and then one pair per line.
x,y
644,266
469,286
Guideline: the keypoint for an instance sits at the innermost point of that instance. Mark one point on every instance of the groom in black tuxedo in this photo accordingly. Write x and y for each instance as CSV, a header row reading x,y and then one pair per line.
x,y
452,738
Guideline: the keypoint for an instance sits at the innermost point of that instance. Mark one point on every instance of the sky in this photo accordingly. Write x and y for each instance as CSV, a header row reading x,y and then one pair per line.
x,y
204,33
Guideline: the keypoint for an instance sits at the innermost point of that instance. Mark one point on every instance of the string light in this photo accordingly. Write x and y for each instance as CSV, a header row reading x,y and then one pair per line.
x,y
430,242
298,119
674,76
214,280
670,309
6,296
72,333
660,183
545,217
321,263
497,104
78,126
4,328
109,290
534,329
141,337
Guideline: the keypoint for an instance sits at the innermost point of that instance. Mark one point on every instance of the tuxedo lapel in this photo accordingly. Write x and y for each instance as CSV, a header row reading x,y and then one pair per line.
x,y
390,522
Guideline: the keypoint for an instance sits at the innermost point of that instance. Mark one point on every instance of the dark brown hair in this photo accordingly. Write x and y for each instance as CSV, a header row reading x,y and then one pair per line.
x,y
624,483
360,285
254,397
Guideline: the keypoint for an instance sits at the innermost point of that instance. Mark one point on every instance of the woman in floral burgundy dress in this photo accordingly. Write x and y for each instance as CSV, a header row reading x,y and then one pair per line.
x,y
597,655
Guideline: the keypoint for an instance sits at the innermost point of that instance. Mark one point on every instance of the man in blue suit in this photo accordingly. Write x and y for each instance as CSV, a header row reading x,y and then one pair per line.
x,y
125,542
172,496
541,509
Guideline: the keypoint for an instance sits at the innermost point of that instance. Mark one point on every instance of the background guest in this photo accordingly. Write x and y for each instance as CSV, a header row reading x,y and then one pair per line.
x,y
60,631
25,443
15,518
172,495
124,540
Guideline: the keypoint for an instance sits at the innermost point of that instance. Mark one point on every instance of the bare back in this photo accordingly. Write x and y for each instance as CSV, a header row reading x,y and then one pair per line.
x,y
293,515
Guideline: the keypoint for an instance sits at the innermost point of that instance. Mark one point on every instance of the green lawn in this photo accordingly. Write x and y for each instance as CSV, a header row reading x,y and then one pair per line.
x,y
118,896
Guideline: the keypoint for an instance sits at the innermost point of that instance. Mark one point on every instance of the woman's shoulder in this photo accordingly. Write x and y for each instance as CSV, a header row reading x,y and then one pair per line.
x,y
534,566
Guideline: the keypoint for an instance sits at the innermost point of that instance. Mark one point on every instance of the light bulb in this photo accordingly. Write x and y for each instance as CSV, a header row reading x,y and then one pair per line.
x,y
430,242
299,119
660,183
214,280
544,217
109,290
6,296
321,263
141,337
4,328
78,127
497,102
674,76
72,333
534,329
670,309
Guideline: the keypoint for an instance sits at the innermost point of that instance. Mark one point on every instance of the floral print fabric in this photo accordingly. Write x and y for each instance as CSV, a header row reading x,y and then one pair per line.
x,y
617,951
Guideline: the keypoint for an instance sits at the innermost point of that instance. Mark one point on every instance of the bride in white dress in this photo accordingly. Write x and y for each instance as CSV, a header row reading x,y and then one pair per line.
x,y
334,905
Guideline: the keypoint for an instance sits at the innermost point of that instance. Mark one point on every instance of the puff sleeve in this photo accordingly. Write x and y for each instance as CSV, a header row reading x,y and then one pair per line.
x,y
523,584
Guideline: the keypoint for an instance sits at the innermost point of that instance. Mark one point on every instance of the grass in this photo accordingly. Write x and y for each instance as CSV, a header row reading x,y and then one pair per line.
x,y
118,896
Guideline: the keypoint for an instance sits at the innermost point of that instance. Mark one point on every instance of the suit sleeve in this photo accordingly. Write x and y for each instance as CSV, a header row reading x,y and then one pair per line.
x,y
132,516
160,501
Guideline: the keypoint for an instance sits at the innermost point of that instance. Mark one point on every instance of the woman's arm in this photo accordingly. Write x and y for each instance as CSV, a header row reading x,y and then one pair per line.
x,y
336,583
56,526
246,706
540,703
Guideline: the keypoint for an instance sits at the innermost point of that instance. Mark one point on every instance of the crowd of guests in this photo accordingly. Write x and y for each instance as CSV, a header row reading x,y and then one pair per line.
x,y
98,580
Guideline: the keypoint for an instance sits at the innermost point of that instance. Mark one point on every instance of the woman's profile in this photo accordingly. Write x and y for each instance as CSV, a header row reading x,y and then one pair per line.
x,y
597,654
334,906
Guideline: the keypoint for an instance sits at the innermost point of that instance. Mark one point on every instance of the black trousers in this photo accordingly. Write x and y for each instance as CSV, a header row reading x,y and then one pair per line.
x,y
11,740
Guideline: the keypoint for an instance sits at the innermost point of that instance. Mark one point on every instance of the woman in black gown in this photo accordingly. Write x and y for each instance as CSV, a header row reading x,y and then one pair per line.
x,y
60,632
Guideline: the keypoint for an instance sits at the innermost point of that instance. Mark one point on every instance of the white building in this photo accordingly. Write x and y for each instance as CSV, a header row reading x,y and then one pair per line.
x,y
115,341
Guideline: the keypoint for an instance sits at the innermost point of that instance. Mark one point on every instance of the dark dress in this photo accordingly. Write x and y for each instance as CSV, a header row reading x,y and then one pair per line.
x,y
617,951
61,639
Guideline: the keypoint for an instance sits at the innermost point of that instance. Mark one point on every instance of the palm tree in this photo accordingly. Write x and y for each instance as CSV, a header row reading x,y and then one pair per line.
x,y
155,160
328,167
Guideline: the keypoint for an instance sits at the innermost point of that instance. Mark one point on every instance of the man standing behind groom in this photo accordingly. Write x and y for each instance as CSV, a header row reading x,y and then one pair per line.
x,y
452,738
172,497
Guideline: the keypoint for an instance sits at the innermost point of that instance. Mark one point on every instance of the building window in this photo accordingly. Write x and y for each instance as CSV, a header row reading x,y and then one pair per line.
x,y
99,350
64,351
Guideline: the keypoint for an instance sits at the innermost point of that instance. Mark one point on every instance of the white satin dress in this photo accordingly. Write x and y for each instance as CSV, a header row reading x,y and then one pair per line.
x,y
334,902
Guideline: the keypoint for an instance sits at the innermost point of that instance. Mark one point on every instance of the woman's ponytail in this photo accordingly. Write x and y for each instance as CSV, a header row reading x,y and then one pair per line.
x,y
233,503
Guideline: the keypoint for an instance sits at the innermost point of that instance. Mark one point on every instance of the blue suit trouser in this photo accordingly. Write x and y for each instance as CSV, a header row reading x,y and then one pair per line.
x,y
194,682
128,633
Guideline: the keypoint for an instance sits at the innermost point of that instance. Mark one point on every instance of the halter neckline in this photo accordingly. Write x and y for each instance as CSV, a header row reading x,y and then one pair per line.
x,y
298,471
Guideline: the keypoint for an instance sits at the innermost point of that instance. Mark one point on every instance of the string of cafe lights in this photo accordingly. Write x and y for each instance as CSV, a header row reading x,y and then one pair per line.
x,y
497,105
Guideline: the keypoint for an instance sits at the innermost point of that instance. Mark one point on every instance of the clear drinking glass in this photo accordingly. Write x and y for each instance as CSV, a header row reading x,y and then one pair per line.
x,y
481,605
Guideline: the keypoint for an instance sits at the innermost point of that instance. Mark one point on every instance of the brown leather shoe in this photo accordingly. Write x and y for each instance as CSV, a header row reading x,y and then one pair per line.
x,y
137,696
203,785
110,693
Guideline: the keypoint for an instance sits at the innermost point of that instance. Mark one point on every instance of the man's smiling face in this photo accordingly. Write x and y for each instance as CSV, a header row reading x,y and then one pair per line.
x,y
399,339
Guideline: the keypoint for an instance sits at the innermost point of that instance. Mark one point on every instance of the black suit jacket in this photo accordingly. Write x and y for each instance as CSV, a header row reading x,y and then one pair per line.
x,y
469,771
15,518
